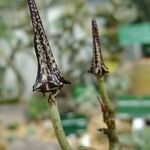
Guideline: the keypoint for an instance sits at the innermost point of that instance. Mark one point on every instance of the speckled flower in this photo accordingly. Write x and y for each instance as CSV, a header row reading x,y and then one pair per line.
x,y
49,78
98,67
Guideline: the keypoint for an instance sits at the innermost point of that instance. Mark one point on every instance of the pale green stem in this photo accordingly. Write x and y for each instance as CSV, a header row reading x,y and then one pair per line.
x,y
55,118
108,116
103,93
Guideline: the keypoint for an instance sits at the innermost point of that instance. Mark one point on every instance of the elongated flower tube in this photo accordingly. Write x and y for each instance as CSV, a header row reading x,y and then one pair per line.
x,y
49,78
98,67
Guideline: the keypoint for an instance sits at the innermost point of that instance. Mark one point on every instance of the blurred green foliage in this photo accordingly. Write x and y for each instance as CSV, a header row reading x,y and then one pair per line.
x,y
138,140
38,108
141,139
3,28
13,126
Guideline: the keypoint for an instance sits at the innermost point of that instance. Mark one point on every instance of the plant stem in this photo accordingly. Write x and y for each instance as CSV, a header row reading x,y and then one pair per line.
x,y
108,116
55,118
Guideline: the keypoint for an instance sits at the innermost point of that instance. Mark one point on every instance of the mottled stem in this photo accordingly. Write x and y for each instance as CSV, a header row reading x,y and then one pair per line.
x,y
55,118
108,116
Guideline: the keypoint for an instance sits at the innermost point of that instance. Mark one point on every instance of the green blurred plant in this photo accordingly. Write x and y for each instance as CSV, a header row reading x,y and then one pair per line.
x,y
38,108
138,140
13,126
141,139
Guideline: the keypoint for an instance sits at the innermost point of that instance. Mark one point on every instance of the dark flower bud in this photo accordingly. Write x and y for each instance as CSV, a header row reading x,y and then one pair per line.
x,y
98,67
49,78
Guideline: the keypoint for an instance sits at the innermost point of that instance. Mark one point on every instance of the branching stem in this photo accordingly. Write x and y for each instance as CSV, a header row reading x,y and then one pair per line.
x,y
108,116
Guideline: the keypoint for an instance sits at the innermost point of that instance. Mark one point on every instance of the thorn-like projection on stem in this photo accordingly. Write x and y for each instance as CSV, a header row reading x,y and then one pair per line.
x,y
49,78
99,70
98,67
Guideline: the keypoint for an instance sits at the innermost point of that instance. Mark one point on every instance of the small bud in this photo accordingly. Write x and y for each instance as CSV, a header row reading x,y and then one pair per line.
x,y
98,67
49,78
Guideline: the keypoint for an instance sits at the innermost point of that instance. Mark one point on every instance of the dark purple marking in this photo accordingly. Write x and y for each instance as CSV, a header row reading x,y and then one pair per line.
x,y
98,67
49,77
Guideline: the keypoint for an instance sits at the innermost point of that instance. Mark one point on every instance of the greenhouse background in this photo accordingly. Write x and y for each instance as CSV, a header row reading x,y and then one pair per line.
x,y
124,27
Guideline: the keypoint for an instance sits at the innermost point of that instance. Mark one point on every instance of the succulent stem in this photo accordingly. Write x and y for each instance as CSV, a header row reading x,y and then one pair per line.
x,y
55,118
99,69
108,116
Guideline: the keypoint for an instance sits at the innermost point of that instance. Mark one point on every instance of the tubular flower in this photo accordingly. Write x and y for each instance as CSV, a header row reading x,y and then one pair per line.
x,y
98,67
49,78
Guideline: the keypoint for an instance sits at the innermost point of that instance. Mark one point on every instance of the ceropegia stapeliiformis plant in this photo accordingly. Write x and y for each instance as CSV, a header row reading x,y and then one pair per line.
x,y
99,69
49,79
